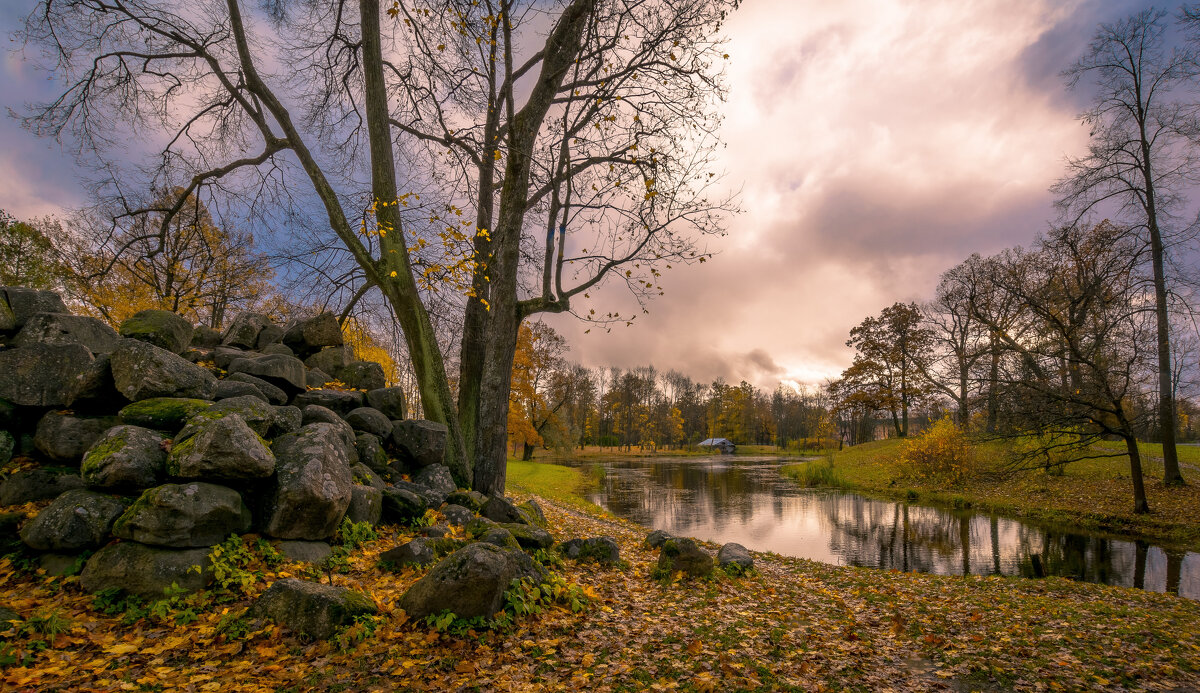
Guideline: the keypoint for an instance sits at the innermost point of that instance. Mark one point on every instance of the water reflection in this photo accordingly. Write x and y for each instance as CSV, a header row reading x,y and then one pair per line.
x,y
746,500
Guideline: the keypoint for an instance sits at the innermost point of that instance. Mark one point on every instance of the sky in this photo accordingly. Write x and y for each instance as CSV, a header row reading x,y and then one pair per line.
x,y
875,144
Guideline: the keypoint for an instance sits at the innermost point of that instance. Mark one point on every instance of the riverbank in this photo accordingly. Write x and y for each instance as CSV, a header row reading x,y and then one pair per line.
x,y
1094,495
792,625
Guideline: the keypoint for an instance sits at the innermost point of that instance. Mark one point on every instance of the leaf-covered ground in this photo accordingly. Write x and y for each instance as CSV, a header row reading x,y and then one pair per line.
x,y
794,625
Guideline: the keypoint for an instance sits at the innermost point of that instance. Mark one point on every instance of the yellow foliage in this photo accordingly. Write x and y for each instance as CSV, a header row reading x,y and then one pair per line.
x,y
940,455
367,348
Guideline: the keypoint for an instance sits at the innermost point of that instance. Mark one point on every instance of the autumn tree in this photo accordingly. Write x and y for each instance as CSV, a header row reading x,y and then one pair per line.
x,y
890,352
1140,158
957,342
532,402
28,256
575,139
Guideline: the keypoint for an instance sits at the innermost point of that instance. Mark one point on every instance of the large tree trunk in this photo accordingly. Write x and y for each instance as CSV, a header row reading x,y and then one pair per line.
x,y
401,292
1140,505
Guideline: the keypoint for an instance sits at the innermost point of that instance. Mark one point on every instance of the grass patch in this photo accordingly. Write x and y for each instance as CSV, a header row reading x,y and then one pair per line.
x,y
815,474
566,485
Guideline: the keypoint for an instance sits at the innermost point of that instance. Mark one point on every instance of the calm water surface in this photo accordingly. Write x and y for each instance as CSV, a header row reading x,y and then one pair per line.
x,y
746,500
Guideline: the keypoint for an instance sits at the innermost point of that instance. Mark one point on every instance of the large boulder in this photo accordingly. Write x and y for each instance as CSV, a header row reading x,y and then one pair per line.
x,y
501,509
24,303
221,448
242,333
187,515
457,515
315,413
141,371
362,375
331,359
311,608
304,551
369,420
417,552
470,582
38,484
372,454
437,482
76,520
363,475
125,457
64,328
146,571
312,488
162,328
735,557
317,378
93,388
257,414
205,337
62,437
389,400
529,536
657,538
228,389
222,356
401,505
311,335
366,504
471,500
273,394
41,375
418,442
284,372
287,419
685,556
163,413
340,401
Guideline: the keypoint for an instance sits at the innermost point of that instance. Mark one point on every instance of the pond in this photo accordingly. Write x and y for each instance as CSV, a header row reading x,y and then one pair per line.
x,y
746,500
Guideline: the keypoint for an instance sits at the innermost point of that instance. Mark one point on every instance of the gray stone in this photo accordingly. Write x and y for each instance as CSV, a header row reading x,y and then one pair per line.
x,y
186,515
243,331
457,515
470,582
163,413
273,394
657,538
227,389
419,442
125,457
41,375
311,608
257,414
64,328
684,555
24,303
7,444
311,335
94,389
389,400
315,413
529,536
340,401
63,437
141,371
162,328
38,484
269,337
284,372
533,512
287,420
369,420
437,482
471,500
400,505
76,520
222,356
735,556
366,504
305,551
363,375
604,550
60,564
416,552
222,448
205,337
317,378
371,453
146,571
331,359
498,536
501,509
312,484
362,474
278,349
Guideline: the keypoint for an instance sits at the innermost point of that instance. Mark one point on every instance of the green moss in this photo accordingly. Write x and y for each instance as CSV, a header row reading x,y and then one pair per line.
x,y
106,447
178,452
167,413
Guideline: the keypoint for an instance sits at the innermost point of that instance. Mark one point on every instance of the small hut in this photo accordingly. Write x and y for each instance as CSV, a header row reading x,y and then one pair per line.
x,y
725,445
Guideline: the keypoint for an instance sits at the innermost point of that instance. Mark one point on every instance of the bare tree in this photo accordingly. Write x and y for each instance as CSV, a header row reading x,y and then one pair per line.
x,y
598,131
1139,159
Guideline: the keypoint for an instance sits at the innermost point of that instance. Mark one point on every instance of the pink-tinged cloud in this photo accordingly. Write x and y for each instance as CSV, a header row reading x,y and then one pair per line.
x,y
876,143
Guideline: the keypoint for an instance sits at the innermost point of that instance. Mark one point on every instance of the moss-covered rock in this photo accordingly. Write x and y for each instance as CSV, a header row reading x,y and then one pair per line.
x,y
162,328
163,413
125,457
311,608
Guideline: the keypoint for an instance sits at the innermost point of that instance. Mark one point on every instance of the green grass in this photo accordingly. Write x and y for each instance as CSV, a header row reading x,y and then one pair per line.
x,y
1093,494
566,485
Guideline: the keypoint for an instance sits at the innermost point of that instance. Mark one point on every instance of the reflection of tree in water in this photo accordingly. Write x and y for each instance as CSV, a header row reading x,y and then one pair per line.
x,y
747,498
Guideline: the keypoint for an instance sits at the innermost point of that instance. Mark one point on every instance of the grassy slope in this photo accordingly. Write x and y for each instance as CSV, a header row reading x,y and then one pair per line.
x,y
793,625
1095,494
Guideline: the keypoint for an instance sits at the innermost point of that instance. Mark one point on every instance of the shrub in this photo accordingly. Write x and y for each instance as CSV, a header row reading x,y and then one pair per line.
x,y
941,455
